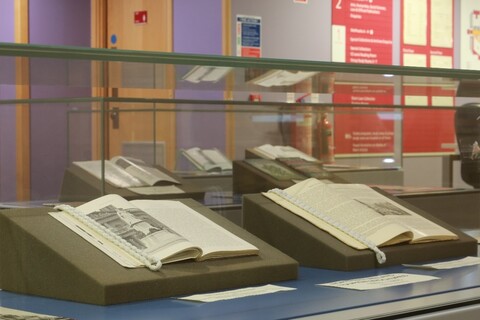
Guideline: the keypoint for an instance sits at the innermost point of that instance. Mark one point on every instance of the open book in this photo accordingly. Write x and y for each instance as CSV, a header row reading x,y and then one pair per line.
x,y
358,215
273,152
150,232
126,172
208,159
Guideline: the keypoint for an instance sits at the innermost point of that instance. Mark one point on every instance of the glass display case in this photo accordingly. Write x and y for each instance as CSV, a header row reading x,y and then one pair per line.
x,y
70,117
66,105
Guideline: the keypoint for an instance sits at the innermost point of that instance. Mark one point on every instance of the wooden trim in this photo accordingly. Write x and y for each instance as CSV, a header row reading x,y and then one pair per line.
x,y
227,51
170,73
226,27
99,38
22,74
168,7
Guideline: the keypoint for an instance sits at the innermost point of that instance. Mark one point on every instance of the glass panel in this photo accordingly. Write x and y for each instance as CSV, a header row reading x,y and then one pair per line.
x,y
158,104
82,67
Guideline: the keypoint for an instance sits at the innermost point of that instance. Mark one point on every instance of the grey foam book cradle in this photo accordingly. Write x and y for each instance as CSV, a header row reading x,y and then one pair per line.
x,y
79,185
313,247
40,256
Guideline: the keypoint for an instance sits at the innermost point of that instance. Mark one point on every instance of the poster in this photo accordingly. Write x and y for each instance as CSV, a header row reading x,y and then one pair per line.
x,y
427,33
427,41
470,35
249,36
362,31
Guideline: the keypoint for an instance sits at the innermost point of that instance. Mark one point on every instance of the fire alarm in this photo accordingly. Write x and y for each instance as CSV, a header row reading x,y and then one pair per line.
x,y
140,17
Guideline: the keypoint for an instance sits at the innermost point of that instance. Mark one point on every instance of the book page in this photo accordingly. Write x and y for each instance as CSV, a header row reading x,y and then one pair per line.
x,y
216,157
157,190
134,226
208,159
114,175
198,159
149,175
423,229
340,210
214,240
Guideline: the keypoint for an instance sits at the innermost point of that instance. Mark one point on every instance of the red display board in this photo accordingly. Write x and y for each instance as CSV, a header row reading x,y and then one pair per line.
x,y
362,31
428,131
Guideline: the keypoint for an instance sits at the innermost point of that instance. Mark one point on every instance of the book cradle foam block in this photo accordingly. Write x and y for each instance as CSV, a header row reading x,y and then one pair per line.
x,y
40,256
79,185
248,179
312,247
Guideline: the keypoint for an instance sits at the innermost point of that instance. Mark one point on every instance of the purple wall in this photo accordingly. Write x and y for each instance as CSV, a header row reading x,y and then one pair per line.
x,y
7,112
197,28
55,22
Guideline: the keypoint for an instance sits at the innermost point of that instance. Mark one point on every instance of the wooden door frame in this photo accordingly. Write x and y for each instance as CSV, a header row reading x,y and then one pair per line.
x,y
228,95
22,111
98,35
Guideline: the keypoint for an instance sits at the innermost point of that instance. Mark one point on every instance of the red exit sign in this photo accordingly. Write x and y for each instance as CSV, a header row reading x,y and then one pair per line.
x,y
140,17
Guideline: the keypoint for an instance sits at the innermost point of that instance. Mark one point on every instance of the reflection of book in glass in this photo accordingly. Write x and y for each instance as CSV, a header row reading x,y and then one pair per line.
x,y
274,169
150,232
311,169
273,152
123,172
208,159
275,78
358,215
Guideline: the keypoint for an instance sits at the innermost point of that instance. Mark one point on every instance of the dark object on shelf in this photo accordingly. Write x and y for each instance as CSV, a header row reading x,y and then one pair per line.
x,y
467,129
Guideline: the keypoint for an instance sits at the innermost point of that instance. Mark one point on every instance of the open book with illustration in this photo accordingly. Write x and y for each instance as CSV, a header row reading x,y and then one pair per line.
x,y
358,215
208,159
150,233
126,172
